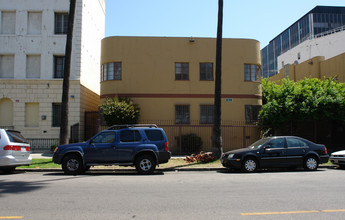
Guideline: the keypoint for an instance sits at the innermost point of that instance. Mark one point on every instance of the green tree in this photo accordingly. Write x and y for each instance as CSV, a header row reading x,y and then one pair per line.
x,y
305,100
120,110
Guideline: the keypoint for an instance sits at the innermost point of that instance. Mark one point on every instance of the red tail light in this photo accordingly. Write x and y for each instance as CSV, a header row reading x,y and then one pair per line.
x,y
166,146
11,147
325,150
8,147
28,148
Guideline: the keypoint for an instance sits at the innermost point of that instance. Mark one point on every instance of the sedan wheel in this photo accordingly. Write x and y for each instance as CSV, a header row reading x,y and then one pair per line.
x,y
311,163
249,165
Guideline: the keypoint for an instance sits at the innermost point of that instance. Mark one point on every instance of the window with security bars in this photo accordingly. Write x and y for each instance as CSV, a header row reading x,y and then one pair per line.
x,y
111,71
252,72
206,71
56,119
182,114
61,23
252,113
206,114
181,71
59,66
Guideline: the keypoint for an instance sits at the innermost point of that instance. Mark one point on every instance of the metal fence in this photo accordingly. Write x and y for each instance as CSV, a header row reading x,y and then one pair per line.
x,y
235,134
42,144
184,139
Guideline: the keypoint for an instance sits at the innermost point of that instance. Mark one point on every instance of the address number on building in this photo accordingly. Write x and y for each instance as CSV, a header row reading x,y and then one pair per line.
x,y
229,100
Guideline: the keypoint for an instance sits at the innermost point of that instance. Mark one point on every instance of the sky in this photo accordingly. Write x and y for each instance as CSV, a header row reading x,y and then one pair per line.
x,y
261,20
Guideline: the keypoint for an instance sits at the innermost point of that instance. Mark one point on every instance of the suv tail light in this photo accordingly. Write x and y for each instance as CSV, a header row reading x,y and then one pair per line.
x,y
166,146
325,150
12,147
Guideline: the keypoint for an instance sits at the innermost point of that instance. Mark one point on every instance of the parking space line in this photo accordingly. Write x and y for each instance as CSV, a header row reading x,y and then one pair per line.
x,y
292,212
11,217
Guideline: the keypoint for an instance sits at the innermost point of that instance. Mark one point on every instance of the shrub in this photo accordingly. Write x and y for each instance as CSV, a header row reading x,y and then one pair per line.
x,y
120,111
190,143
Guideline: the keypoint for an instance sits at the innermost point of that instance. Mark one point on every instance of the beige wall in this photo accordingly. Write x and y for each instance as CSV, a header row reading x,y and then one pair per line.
x,y
44,93
33,99
334,67
148,74
316,67
164,108
89,102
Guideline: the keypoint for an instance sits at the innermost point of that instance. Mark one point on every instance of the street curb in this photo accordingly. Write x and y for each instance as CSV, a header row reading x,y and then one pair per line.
x,y
199,169
122,170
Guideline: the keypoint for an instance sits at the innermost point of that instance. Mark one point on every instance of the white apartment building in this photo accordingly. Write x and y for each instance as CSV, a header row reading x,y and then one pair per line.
x,y
32,48
327,44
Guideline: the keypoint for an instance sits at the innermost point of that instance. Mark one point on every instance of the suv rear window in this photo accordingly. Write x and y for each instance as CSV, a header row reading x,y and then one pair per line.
x,y
154,135
15,136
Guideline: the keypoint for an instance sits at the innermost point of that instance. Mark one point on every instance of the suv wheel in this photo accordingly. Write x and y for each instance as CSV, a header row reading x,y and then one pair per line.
x,y
145,164
72,164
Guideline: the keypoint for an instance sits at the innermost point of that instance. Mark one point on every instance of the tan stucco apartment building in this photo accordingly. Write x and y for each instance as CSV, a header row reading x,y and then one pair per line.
x,y
172,78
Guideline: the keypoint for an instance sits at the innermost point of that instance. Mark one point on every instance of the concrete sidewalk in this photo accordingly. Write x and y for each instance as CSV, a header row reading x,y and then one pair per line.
x,y
41,155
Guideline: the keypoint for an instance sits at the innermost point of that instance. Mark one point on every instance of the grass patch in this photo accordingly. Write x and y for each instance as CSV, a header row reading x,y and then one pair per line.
x,y
42,164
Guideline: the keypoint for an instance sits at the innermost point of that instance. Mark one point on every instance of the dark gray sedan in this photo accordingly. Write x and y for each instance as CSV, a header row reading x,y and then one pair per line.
x,y
277,152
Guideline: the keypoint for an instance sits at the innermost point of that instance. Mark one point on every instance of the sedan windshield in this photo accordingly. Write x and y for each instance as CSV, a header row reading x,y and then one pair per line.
x,y
258,143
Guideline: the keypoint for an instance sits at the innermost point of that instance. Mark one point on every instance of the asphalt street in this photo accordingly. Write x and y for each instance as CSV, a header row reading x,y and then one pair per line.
x,y
174,195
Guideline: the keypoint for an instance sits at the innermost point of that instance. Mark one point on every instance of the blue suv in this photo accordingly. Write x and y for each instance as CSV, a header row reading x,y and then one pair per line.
x,y
142,146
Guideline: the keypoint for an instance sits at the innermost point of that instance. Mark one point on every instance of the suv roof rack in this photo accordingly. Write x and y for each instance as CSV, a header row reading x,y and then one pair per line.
x,y
119,127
